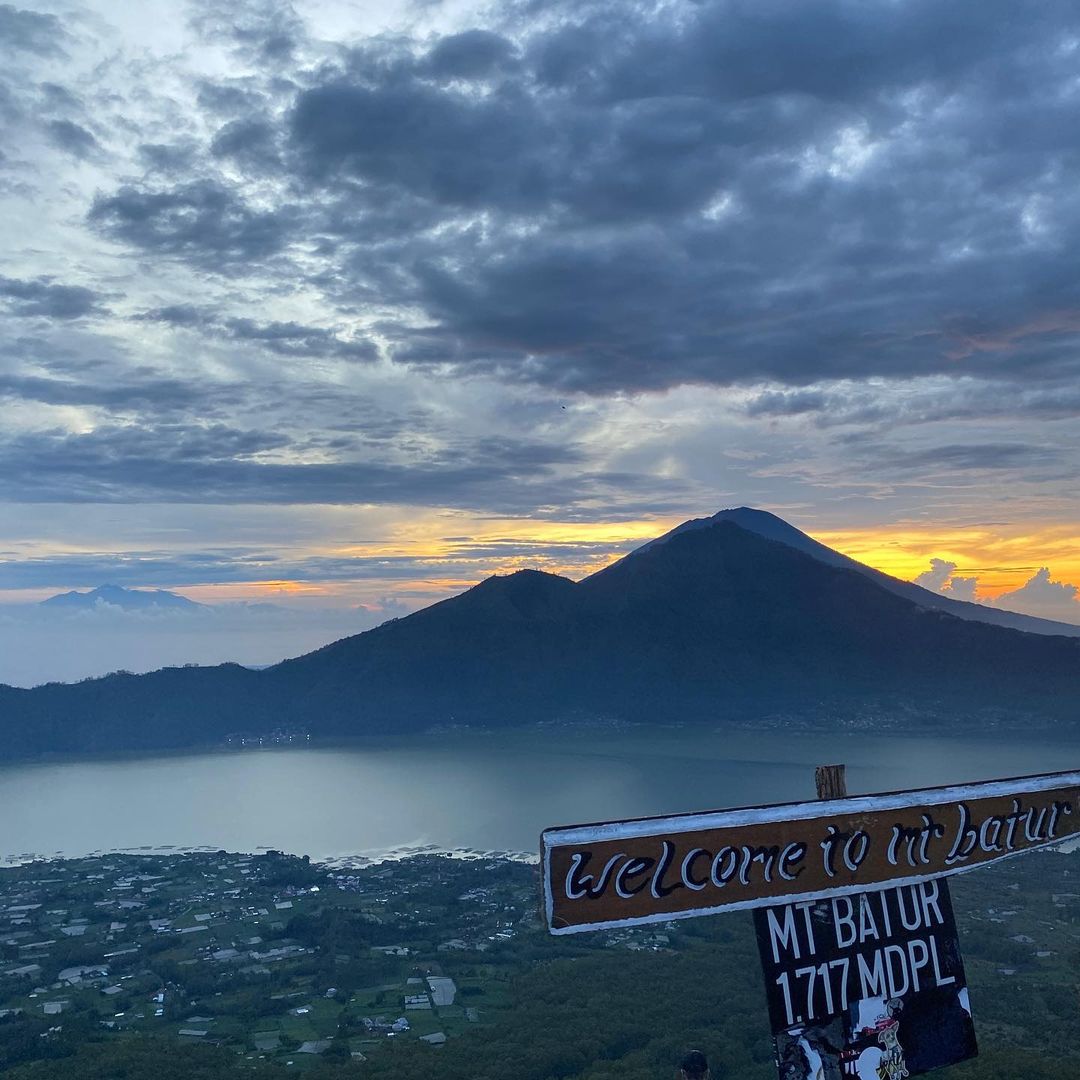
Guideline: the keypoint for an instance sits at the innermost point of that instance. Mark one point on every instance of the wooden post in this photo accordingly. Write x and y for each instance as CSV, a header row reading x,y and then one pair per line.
x,y
831,781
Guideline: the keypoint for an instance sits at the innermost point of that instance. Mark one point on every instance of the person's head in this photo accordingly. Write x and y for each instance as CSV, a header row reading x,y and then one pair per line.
x,y
694,1066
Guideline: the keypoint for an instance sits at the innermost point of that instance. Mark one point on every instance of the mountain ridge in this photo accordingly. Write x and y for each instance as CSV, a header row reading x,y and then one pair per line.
x,y
118,596
776,528
716,622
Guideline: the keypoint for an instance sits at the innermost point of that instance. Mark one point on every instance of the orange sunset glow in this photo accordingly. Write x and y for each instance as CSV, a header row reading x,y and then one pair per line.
x,y
1002,558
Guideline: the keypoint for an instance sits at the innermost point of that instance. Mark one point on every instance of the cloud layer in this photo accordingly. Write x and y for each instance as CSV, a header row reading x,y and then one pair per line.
x,y
711,193
1039,595
565,263
38,645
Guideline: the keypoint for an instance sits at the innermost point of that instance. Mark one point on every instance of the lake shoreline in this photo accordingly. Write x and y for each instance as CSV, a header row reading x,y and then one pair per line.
x,y
486,791
803,725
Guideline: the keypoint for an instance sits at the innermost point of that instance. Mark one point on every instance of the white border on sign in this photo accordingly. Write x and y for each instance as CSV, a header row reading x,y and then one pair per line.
x,y
561,836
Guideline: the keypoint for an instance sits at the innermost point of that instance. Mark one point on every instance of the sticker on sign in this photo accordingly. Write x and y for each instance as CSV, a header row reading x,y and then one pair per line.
x,y
869,985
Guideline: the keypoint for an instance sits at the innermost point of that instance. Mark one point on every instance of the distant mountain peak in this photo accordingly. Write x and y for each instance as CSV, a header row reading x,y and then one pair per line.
x,y
121,597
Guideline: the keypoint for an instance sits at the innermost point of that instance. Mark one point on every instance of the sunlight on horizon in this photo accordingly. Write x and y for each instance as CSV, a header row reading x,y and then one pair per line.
x,y
1001,559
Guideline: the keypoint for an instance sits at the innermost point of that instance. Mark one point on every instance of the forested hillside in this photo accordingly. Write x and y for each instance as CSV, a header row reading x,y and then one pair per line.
x,y
711,623
606,1006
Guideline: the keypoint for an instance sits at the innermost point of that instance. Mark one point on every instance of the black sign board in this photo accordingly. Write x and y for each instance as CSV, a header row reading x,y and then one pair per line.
x,y
867,985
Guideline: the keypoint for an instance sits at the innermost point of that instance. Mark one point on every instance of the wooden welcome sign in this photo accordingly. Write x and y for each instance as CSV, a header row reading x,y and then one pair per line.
x,y
628,873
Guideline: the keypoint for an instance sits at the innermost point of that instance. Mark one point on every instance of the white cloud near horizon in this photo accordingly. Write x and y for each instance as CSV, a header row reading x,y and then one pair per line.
x,y
1043,597
1040,596
40,645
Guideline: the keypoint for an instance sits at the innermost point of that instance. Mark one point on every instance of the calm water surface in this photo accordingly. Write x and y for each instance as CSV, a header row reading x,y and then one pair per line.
x,y
484,792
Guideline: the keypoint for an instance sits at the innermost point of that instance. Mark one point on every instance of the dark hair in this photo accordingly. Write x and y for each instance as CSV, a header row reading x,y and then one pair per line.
x,y
694,1064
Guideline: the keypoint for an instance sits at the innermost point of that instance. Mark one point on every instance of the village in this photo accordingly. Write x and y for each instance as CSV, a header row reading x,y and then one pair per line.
x,y
235,949
283,960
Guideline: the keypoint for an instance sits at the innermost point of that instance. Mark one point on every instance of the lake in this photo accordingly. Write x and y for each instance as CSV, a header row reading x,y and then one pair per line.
x,y
486,792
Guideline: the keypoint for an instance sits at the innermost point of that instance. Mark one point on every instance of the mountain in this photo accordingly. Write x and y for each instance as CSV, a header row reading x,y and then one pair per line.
x,y
774,528
714,622
118,596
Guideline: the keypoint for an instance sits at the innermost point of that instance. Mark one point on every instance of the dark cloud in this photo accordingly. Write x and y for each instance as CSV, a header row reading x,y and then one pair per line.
x,y
177,315
73,138
295,339
203,221
169,158
961,457
40,297
862,211
474,54
956,464
216,463
55,96
837,50
413,137
711,193
249,142
31,31
282,338
961,398
789,402
152,395
235,98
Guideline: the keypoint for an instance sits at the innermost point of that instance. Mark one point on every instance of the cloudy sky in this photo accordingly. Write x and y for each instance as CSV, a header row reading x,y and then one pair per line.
x,y
343,306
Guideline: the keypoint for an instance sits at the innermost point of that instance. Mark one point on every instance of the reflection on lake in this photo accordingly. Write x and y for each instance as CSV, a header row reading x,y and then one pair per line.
x,y
492,791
